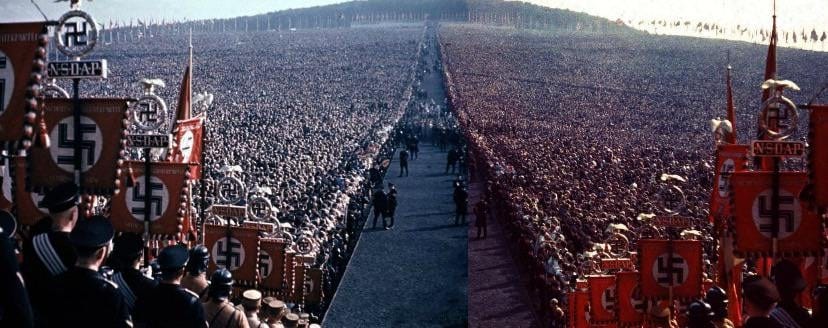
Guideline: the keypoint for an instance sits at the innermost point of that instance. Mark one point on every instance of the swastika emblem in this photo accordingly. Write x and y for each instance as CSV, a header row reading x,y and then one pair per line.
x,y
63,143
231,190
260,208
229,255
186,146
608,299
639,303
265,264
670,271
6,81
724,177
790,213
136,197
76,33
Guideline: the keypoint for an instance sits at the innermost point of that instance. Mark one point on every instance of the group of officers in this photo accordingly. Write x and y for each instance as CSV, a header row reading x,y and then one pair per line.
x,y
78,273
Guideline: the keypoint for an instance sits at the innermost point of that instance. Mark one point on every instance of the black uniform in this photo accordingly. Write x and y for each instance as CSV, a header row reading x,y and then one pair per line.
x,y
461,197
84,298
133,285
15,310
169,305
45,256
403,162
390,207
379,205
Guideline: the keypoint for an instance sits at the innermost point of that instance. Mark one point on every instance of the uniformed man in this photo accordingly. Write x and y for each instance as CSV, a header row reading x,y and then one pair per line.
x,y
219,311
196,278
461,200
126,260
251,304
83,297
169,304
390,207
49,253
274,311
15,309
291,320
379,204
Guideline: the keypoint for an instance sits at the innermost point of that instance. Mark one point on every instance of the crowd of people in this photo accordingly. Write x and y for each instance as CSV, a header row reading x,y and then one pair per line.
x,y
308,116
571,134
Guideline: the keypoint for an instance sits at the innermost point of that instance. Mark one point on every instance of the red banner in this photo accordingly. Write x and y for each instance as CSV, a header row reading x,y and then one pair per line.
x,y
631,307
662,268
18,49
272,263
602,298
290,266
101,127
818,154
798,229
578,309
167,192
187,149
313,286
239,254
729,158
25,202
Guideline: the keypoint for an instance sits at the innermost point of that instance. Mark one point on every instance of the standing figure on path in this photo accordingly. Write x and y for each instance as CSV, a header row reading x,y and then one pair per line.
x,y
83,297
169,304
461,198
403,162
453,156
379,205
481,219
414,146
390,206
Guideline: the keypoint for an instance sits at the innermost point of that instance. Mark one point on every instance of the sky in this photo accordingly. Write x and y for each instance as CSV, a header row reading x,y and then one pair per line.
x,y
792,14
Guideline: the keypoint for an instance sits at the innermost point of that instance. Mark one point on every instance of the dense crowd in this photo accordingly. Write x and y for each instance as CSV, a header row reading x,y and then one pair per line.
x,y
573,132
307,115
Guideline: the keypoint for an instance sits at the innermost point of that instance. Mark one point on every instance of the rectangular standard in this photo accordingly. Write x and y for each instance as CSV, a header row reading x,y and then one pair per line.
x,y
229,211
80,69
771,148
149,140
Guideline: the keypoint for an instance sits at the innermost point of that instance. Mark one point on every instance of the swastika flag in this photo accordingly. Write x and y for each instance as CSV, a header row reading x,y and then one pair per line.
x,y
578,309
797,228
238,253
602,298
729,158
18,46
631,306
25,201
275,250
101,124
166,183
666,263
187,148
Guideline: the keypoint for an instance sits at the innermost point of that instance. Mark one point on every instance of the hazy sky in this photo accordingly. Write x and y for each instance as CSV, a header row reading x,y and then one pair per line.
x,y
793,14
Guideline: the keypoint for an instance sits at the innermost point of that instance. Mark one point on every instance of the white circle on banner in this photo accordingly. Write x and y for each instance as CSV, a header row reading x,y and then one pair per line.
x,y
228,256
727,169
63,146
667,272
790,213
186,146
608,299
6,81
136,197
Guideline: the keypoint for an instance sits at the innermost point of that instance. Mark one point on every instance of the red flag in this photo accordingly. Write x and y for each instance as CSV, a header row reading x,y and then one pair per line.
x,y
799,230
818,155
188,137
770,62
167,192
631,306
185,96
731,109
272,263
239,254
602,299
666,263
19,43
729,158
578,309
